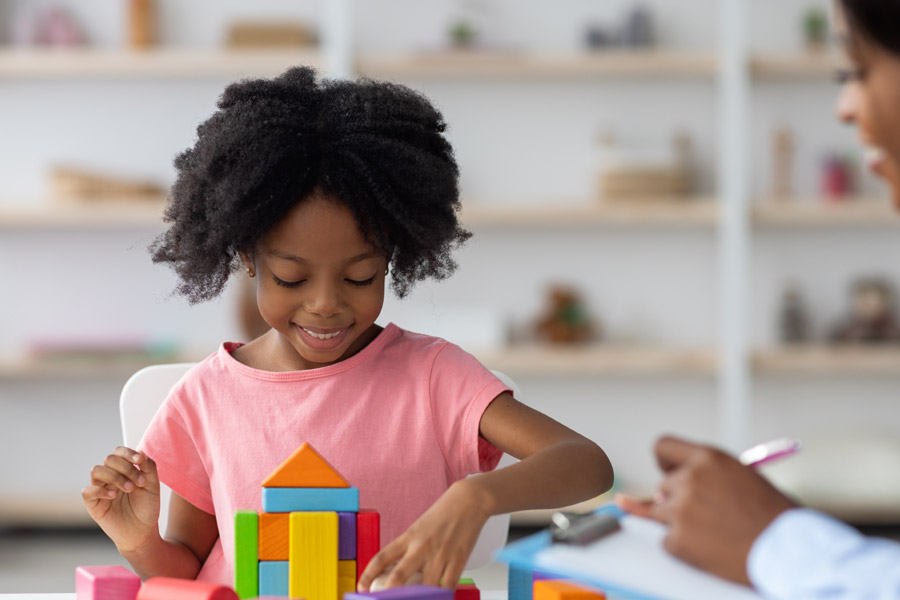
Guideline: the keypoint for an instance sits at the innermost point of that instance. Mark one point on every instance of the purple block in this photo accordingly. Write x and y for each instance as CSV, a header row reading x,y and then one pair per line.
x,y
409,592
346,536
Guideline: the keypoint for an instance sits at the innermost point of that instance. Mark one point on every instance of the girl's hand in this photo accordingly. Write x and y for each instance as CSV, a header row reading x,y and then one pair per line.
x,y
123,498
437,545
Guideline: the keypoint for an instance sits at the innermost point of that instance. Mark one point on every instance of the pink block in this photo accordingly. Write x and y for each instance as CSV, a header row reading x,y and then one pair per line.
x,y
112,582
169,588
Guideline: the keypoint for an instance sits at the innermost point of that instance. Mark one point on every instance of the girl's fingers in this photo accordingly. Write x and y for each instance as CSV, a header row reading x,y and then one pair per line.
x,y
452,573
97,492
381,561
406,568
432,572
105,476
126,468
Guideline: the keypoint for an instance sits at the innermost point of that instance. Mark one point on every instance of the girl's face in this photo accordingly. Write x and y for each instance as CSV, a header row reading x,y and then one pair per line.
x,y
870,99
320,284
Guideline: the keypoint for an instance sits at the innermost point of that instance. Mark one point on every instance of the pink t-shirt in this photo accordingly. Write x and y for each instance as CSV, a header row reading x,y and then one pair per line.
x,y
399,420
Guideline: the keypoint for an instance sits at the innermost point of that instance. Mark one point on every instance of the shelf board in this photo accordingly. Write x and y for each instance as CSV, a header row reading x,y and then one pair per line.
x,y
24,368
59,509
90,214
543,360
691,212
798,65
516,65
823,213
829,360
157,62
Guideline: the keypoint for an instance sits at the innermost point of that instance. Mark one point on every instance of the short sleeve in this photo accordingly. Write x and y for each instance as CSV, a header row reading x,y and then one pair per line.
x,y
461,388
171,441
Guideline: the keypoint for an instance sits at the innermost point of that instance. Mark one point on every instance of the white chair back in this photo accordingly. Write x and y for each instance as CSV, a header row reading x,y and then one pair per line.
x,y
145,391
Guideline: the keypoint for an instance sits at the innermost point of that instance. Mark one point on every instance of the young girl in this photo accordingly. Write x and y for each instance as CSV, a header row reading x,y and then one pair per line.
x,y
318,190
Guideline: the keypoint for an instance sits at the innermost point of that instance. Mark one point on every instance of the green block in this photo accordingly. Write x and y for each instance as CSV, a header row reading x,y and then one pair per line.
x,y
466,581
246,554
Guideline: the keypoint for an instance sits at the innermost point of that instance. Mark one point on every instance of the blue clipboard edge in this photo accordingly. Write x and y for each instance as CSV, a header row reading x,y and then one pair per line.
x,y
523,553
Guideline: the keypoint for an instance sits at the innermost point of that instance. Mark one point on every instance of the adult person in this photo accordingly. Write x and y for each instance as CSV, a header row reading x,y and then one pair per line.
x,y
724,517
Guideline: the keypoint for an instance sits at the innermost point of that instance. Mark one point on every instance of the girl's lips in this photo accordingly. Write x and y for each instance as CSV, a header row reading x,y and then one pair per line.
x,y
322,339
874,159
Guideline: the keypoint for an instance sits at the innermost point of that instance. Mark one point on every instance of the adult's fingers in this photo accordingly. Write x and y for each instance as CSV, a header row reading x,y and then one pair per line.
x,y
672,452
641,507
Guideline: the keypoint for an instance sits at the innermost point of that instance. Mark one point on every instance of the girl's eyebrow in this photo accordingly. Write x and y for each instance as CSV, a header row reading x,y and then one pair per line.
x,y
300,259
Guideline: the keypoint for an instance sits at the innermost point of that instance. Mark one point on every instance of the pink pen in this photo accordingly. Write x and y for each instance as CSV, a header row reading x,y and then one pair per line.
x,y
769,451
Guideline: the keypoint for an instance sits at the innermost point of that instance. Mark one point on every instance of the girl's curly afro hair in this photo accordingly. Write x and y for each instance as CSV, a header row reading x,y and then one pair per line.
x,y
378,147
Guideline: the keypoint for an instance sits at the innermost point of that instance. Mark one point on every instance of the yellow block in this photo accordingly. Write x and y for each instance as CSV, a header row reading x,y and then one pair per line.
x,y
313,568
346,577
557,589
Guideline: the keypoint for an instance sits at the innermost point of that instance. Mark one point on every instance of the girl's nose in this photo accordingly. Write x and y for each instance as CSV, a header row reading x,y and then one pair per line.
x,y
324,301
847,105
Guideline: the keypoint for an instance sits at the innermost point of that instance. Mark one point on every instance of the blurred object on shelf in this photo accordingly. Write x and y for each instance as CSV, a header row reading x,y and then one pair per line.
x,y
793,320
468,24
251,322
640,175
72,185
815,29
463,34
837,177
48,26
844,473
565,319
113,349
141,24
872,317
247,34
638,30
782,163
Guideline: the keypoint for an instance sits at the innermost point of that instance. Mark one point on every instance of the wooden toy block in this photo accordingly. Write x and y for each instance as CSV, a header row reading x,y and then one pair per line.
x,y
346,576
466,581
275,500
466,591
519,583
313,565
346,536
273,536
113,582
273,578
246,554
368,538
169,588
305,468
410,592
558,589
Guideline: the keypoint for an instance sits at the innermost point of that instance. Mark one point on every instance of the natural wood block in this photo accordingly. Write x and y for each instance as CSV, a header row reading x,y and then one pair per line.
x,y
346,577
557,589
113,582
368,538
246,553
313,557
274,529
305,468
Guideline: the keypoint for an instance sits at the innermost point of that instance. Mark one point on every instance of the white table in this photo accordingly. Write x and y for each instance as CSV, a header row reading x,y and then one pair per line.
x,y
485,595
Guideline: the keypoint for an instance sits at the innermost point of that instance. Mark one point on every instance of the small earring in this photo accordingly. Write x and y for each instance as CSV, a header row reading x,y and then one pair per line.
x,y
250,272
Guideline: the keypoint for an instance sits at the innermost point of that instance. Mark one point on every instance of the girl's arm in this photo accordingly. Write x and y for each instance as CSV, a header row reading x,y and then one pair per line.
x,y
190,536
557,467
123,498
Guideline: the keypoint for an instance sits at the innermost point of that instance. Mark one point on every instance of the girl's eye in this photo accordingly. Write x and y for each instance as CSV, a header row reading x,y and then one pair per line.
x,y
368,281
287,284
843,76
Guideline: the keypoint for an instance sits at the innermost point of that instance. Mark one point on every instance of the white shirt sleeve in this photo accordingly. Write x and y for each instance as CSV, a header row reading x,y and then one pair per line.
x,y
805,555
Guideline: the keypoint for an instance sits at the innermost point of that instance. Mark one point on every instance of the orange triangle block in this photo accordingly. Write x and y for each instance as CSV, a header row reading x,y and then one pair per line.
x,y
305,468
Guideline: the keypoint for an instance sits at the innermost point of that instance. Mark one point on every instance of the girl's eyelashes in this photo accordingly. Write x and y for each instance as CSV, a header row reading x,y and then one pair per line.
x,y
843,76
287,284
355,282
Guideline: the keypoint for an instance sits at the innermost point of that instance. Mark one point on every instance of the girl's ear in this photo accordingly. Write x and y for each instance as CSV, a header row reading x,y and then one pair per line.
x,y
248,262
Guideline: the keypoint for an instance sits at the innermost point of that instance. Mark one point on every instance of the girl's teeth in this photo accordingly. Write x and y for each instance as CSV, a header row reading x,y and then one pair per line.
x,y
322,336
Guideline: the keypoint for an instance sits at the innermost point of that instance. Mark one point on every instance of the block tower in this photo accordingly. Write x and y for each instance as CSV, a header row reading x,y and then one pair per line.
x,y
311,540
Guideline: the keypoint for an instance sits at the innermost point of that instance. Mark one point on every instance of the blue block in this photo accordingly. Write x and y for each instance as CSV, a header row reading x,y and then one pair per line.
x,y
273,578
410,592
520,584
280,500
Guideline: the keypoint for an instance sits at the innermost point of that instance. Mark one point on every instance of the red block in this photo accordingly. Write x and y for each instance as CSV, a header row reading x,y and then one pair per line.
x,y
113,582
466,591
368,538
169,588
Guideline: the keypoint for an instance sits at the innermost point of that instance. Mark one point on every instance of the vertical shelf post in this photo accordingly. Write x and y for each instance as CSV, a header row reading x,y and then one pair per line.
x,y
733,264
337,39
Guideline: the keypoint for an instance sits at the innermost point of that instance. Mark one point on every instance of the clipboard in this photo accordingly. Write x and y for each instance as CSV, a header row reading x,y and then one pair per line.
x,y
630,563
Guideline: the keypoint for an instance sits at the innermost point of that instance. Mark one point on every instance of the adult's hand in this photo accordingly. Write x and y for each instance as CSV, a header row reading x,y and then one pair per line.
x,y
715,506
